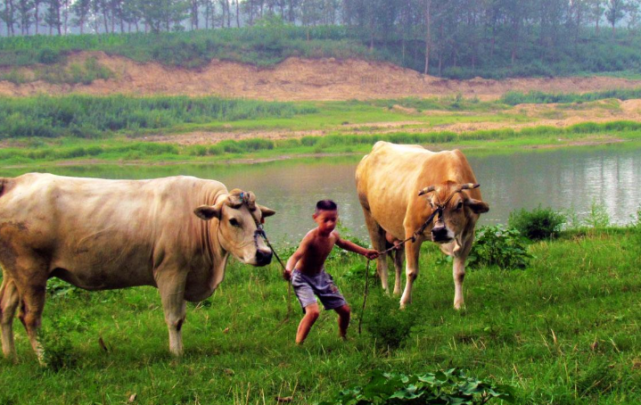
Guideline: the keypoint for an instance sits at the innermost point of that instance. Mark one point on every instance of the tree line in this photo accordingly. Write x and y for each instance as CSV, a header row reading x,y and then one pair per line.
x,y
427,35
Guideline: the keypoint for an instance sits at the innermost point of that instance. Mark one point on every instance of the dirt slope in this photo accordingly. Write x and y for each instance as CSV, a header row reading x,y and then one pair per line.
x,y
296,79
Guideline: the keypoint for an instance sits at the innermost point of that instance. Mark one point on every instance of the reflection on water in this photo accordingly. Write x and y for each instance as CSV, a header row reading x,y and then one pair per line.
x,y
562,179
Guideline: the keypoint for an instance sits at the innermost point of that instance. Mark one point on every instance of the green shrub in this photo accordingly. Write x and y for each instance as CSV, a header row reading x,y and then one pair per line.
x,y
48,56
540,223
496,246
443,387
387,323
598,216
58,351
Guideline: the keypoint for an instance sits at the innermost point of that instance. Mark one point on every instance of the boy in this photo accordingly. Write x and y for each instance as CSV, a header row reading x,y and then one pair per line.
x,y
306,271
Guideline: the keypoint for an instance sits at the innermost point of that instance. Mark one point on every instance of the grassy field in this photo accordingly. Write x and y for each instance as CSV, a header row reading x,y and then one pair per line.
x,y
79,129
71,151
565,330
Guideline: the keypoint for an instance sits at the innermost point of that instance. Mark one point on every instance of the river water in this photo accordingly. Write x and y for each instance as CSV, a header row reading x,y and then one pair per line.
x,y
571,179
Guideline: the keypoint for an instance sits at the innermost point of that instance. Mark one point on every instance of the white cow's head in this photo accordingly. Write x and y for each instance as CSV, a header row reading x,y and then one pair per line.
x,y
237,225
458,210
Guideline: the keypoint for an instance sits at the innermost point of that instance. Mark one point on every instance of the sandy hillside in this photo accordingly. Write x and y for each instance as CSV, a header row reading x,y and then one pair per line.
x,y
296,79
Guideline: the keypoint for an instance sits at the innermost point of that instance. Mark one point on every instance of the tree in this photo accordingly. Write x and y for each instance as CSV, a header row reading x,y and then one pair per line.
x,y
81,9
8,15
52,18
632,10
615,12
25,11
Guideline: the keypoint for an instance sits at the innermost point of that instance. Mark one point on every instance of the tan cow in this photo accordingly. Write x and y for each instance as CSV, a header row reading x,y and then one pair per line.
x,y
389,180
105,234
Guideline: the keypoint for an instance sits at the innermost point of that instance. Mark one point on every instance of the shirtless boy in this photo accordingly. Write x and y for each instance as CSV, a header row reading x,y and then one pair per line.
x,y
307,273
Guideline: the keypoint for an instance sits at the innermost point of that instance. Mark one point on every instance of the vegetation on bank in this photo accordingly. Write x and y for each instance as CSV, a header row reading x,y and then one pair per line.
x,y
563,330
464,53
91,117
118,149
538,97
96,117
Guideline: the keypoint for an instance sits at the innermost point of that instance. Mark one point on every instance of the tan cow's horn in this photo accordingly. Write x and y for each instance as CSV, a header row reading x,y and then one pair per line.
x,y
469,186
426,190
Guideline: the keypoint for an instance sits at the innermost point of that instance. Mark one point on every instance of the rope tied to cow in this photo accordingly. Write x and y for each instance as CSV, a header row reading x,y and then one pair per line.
x,y
260,231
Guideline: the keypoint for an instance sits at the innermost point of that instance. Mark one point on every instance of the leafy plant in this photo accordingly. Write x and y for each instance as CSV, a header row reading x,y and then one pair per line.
x,y
497,246
389,325
598,217
58,350
443,387
540,223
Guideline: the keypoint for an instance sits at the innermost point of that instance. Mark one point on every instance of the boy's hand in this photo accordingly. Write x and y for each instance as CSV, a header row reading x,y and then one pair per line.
x,y
287,275
371,254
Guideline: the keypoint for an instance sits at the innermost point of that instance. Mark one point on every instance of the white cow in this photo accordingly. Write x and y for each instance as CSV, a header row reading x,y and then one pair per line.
x,y
105,234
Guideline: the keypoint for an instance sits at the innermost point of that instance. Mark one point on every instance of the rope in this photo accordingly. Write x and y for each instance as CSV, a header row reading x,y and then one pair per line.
x,y
360,320
419,231
289,284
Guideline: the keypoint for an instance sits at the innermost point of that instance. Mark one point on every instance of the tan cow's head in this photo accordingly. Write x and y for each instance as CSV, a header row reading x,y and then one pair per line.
x,y
238,218
458,209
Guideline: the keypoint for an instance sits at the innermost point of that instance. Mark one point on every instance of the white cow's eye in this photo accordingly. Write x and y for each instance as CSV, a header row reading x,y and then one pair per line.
x,y
234,222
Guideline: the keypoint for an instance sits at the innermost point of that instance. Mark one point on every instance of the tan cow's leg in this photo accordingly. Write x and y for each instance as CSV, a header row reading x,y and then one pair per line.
x,y
9,299
377,235
412,250
458,270
459,276
399,257
172,293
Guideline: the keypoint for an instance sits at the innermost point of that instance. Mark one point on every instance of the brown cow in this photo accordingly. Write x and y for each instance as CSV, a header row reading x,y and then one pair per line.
x,y
389,180
105,234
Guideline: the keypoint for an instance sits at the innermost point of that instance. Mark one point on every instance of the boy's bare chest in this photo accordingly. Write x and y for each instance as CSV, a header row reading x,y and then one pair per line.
x,y
321,249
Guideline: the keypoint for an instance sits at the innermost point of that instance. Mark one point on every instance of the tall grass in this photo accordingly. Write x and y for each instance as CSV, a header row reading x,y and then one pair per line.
x,y
538,97
36,150
91,117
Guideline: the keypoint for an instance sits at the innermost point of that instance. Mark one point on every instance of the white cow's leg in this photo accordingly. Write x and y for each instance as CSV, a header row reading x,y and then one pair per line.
x,y
9,299
172,294
411,251
399,257
31,307
377,235
459,276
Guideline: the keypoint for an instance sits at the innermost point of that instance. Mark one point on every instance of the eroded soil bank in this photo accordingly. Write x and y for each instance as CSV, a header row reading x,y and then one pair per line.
x,y
294,79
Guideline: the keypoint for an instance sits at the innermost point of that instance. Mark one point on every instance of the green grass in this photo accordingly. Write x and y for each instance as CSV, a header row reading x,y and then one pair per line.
x,y
566,330
34,152
538,97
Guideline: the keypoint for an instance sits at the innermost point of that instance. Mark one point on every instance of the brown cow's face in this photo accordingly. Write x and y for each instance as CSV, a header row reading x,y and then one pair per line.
x,y
460,212
237,226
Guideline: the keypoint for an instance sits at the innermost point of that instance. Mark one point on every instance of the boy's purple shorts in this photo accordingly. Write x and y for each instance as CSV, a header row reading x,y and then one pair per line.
x,y
322,285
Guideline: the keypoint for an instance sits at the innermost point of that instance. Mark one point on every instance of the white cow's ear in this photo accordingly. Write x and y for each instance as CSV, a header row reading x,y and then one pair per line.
x,y
207,212
477,206
267,212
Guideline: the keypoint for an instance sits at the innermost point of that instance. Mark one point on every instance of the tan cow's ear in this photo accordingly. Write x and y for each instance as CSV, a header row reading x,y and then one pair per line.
x,y
207,212
477,206
267,212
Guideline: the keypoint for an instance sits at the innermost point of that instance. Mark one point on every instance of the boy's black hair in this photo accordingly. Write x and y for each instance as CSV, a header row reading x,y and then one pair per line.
x,y
326,205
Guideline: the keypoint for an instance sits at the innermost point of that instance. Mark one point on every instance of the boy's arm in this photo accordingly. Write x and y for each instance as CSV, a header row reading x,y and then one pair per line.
x,y
291,262
353,247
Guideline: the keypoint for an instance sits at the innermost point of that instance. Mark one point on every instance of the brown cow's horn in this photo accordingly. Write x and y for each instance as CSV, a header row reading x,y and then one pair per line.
x,y
426,190
470,186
